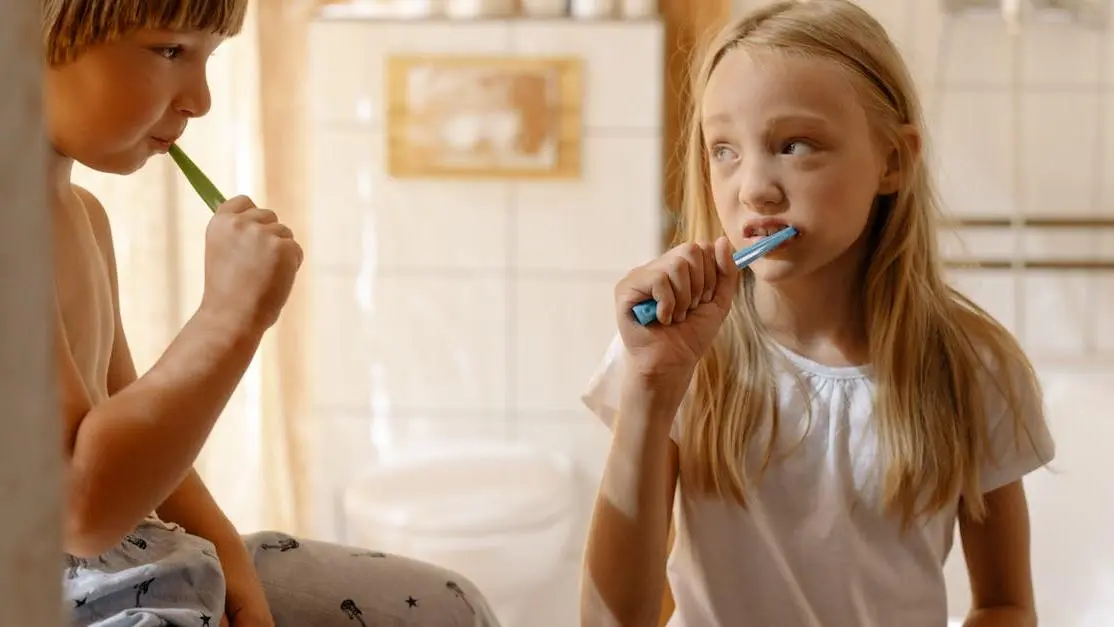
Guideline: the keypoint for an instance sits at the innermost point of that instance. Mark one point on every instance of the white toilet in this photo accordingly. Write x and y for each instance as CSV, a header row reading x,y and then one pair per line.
x,y
500,514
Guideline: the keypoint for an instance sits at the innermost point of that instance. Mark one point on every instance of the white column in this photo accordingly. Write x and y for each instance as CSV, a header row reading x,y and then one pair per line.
x,y
30,431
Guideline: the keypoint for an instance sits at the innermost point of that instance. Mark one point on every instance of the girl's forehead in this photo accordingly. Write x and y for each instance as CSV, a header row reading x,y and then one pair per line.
x,y
760,83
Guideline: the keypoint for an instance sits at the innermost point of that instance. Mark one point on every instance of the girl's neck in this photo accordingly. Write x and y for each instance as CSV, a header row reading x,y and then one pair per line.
x,y
820,316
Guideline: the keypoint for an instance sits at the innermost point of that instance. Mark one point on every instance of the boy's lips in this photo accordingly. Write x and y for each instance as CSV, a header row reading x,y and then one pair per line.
x,y
162,144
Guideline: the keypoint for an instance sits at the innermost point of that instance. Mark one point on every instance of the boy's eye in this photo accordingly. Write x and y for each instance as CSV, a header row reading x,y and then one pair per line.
x,y
168,52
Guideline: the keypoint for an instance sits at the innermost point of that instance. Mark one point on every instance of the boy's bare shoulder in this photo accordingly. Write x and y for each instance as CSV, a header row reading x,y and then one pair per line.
x,y
98,220
98,217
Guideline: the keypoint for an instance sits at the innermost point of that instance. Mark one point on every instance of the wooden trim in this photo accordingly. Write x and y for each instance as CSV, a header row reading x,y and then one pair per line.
x,y
686,22
1059,265
1034,222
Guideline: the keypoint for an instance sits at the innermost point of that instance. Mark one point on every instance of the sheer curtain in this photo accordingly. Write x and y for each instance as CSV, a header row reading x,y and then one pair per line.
x,y
256,462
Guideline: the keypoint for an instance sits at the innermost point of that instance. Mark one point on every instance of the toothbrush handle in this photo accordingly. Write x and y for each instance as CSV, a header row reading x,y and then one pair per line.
x,y
646,311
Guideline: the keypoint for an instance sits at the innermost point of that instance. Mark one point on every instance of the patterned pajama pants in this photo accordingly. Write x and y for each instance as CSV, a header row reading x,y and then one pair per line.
x,y
161,577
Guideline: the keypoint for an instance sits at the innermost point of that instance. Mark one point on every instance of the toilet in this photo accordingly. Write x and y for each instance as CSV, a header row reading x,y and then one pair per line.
x,y
501,514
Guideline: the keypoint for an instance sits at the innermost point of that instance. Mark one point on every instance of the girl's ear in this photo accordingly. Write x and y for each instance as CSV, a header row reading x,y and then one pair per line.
x,y
897,166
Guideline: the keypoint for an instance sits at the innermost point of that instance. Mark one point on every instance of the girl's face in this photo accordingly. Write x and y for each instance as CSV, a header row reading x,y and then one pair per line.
x,y
788,142
120,102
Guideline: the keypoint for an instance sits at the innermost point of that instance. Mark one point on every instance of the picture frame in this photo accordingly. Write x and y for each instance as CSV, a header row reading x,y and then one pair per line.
x,y
458,116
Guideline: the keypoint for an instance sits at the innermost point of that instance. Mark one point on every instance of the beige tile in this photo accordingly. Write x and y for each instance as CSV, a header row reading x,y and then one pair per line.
x,y
562,329
993,290
339,344
973,153
979,243
1060,54
347,60
621,91
1103,285
1106,51
609,220
437,342
971,51
362,217
340,71
1106,158
1061,243
1057,315
1058,148
344,176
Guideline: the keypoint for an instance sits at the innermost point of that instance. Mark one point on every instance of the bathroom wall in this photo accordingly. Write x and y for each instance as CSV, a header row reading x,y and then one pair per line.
x,y
1022,126
30,464
449,310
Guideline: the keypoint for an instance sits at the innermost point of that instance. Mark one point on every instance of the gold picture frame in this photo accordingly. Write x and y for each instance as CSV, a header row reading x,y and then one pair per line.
x,y
483,117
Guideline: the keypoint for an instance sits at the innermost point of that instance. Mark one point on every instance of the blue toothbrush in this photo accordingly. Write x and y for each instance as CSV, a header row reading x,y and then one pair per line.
x,y
647,311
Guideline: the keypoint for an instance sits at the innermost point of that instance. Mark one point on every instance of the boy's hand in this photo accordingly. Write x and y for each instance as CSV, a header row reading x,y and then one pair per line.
x,y
250,262
245,602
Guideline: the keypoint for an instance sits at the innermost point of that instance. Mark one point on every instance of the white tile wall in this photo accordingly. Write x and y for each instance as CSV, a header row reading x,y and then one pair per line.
x,y
452,310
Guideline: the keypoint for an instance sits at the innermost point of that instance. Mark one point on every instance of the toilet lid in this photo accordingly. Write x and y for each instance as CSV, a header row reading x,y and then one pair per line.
x,y
462,493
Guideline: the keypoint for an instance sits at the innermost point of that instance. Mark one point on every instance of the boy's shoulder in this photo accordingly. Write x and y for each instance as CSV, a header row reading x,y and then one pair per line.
x,y
96,214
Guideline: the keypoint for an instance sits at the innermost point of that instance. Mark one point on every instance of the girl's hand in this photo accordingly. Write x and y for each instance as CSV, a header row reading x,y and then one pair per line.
x,y
695,285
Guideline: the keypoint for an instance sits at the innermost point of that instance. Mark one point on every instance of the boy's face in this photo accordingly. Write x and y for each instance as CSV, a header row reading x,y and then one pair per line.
x,y
120,102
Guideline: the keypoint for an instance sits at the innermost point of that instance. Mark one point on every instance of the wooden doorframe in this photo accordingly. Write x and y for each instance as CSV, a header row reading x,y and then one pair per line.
x,y
686,23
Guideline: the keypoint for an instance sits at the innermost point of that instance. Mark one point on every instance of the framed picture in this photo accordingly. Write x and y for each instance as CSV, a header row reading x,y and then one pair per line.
x,y
483,117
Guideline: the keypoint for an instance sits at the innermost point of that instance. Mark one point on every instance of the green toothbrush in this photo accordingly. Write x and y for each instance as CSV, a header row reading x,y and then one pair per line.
x,y
201,183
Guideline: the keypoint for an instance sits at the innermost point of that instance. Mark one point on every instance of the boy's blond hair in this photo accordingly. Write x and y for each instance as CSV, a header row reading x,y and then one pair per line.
x,y
933,351
71,26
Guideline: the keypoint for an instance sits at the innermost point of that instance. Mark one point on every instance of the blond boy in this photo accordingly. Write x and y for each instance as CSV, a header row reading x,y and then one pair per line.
x,y
146,543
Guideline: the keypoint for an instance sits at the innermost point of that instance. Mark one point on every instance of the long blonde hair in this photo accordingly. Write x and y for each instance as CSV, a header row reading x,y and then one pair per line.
x,y
931,349
71,26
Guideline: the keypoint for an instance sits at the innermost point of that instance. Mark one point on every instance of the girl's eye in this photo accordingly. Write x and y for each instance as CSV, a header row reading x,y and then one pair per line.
x,y
722,153
797,148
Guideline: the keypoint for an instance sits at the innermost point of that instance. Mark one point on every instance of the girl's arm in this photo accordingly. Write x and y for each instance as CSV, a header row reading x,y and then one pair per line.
x,y
997,553
624,569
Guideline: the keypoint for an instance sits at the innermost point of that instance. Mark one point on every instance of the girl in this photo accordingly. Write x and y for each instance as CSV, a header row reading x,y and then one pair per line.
x,y
124,79
826,424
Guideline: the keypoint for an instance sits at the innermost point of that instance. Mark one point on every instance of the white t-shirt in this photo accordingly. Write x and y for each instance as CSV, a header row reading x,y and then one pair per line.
x,y
804,553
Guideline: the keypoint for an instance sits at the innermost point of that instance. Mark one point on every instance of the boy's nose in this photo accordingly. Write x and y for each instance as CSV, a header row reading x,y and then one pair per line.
x,y
196,101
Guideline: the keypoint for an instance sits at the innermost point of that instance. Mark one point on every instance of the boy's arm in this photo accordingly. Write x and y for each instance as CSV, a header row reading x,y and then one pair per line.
x,y
128,454
190,505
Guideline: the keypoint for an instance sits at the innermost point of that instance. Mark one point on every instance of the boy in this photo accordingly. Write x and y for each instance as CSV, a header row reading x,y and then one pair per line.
x,y
124,77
